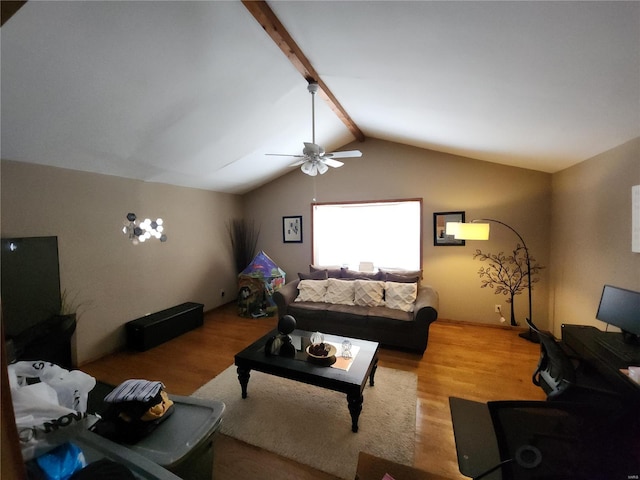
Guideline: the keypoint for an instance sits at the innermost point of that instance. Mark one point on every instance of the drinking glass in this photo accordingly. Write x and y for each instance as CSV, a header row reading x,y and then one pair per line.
x,y
346,349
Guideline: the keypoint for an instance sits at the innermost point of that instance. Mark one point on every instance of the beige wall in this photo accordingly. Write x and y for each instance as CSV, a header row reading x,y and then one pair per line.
x,y
116,280
119,282
591,242
518,197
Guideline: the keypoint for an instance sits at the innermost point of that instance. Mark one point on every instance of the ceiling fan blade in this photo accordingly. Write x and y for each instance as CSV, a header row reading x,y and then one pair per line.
x,y
284,155
332,163
299,162
345,154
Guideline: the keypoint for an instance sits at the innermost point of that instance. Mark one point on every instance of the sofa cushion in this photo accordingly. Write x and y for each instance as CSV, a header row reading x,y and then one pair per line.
x,y
401,296
339,292
381,315
311,291
368,293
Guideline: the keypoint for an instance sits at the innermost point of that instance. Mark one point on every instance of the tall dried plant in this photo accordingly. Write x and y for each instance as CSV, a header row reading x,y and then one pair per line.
x,y
244,240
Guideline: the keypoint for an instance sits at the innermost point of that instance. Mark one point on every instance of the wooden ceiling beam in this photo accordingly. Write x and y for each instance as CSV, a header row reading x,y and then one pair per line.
x,y
7,9
274,28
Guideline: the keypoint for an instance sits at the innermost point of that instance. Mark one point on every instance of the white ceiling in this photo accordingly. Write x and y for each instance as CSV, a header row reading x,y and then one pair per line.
x,y
195,93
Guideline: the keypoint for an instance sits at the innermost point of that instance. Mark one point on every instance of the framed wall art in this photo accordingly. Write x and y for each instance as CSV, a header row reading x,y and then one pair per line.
x,y
292,229
440,220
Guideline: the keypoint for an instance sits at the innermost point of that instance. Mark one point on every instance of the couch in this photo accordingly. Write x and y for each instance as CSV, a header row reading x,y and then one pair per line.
x,y
388,307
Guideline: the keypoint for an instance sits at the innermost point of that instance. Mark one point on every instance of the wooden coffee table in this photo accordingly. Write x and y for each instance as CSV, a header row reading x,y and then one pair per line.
x,y
351,382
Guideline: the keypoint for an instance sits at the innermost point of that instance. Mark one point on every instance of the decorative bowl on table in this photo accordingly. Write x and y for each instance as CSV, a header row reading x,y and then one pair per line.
x,y
322,353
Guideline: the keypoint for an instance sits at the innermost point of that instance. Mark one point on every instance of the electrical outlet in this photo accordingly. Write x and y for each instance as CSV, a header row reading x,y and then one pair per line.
x,y
497,308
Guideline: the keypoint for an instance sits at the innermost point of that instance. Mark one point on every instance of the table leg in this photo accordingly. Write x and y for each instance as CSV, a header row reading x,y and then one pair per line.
x,y
243,377
355,407
373,372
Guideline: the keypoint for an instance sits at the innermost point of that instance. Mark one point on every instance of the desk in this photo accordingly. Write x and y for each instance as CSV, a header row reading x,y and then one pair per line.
x,y
570,441
582,340
475,438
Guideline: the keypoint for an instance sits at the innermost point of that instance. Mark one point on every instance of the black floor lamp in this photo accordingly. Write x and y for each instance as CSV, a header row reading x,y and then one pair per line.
x,y
479,230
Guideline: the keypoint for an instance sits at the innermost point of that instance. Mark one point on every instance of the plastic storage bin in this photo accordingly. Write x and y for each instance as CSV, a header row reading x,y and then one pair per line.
x,y
95,448
183,443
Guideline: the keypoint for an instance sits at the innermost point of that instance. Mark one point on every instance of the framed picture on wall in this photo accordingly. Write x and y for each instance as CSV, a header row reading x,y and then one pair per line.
x,y
292,229
440,220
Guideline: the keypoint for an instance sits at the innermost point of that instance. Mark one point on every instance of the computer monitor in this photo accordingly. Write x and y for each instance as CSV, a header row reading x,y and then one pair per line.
x,y
621,308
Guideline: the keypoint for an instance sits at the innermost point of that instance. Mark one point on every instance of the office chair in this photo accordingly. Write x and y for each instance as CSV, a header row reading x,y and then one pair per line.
x,y
562,379
555,372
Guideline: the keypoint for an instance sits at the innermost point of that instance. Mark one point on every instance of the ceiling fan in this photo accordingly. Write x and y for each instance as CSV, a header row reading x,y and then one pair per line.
x,y
314,160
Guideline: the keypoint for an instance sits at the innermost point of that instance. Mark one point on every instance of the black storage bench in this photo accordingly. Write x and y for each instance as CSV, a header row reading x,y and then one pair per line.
x,y
151,330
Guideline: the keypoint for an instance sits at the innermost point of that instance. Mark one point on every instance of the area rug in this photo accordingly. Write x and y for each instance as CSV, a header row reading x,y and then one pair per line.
x,y
312,425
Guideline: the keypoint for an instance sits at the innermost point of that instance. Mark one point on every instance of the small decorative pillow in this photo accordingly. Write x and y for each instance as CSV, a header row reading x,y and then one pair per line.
x,y
346,273
369,293
401,296
392,277
340,292
396,271
317,275
311,291
333,271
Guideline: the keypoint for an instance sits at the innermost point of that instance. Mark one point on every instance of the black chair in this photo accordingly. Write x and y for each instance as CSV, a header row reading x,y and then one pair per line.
x,y
566,379
555,372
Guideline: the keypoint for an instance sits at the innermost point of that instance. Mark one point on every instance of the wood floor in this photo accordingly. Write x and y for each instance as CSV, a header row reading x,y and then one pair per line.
x,y
475,362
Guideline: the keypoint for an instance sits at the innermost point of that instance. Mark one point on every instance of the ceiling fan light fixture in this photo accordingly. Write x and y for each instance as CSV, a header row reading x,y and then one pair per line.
x,y
322,168
309,168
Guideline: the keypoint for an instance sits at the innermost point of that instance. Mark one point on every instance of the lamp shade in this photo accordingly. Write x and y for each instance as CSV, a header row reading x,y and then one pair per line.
x,y
471,231
452,228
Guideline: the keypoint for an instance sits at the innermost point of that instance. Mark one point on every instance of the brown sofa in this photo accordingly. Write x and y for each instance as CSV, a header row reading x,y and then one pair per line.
x,y
389,326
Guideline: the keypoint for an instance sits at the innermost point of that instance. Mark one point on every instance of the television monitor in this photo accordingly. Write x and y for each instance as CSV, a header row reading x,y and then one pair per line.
x,y
621,308
30,282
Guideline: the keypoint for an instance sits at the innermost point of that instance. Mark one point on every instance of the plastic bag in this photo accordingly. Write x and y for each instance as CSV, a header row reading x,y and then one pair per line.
x,y
51,412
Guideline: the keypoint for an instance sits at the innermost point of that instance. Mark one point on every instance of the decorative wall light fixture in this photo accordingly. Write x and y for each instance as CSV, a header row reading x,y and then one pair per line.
x,y
140,232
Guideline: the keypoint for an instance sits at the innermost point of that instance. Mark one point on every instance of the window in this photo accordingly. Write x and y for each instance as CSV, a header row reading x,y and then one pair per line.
x,y
386,233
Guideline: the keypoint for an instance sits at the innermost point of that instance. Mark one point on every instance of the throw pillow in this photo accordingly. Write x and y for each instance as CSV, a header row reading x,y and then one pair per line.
x,y
339,292
400,296
368,293
317,275
392,277
333,271
311,291
404,273
346,273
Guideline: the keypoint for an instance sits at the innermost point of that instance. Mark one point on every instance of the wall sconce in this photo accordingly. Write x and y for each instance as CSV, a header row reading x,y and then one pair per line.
x,y
140,232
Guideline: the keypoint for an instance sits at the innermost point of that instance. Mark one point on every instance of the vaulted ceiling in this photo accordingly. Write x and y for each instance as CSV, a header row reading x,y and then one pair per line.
x,y
196,93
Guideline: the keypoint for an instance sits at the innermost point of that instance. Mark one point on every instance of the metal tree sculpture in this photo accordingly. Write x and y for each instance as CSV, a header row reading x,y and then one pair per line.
x,y
508,275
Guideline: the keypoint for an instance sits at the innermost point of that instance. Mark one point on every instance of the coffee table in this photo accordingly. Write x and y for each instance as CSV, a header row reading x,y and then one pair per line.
x,y
351,382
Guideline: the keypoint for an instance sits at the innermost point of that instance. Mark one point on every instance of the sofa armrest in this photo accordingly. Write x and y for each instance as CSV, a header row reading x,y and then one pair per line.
x,y
284,296
427,303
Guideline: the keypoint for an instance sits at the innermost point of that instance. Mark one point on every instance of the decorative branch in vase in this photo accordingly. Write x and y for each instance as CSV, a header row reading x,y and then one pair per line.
x,y
508,274
244,240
